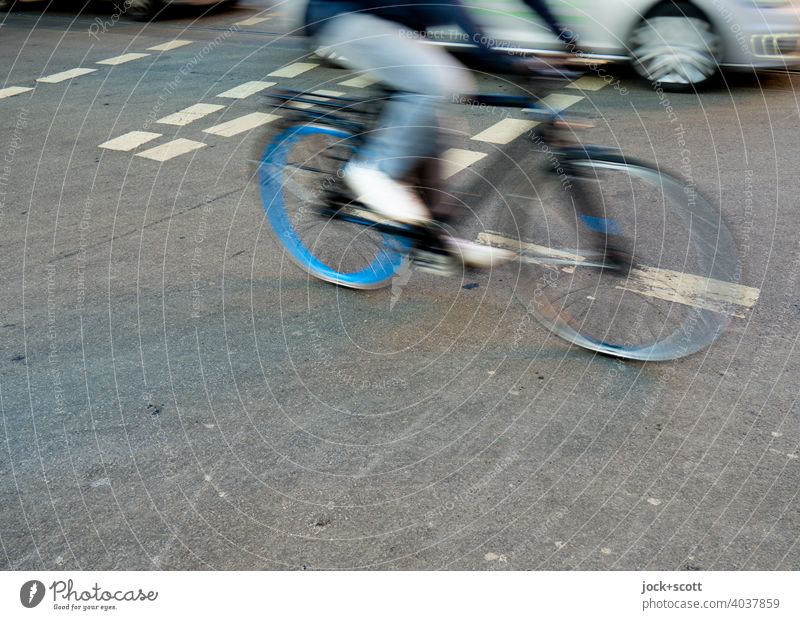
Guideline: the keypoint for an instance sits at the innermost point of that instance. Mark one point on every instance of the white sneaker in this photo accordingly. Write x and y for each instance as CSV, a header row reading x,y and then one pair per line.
x,y
385,196
473,254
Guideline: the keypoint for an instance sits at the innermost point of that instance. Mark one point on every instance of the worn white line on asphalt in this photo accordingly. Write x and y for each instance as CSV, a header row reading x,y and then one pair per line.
x,y
118,60
169,45
293,70
245,90
251,21
130,140
589,82
505,131
362,81
241,124
13,90
455,160
673,286
172,149
65,75
190,114
328,93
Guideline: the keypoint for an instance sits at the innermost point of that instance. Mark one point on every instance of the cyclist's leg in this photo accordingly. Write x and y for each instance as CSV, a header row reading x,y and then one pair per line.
x,y
425,76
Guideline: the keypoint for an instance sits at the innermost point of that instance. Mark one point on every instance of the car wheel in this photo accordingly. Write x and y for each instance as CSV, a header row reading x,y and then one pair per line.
x,y
675,46
143,10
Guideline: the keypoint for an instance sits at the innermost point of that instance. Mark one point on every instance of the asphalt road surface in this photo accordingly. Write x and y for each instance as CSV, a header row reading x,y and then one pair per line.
x,y
176,394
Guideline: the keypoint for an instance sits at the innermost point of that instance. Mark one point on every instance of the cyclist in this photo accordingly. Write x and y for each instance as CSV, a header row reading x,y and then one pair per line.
x,y
382,37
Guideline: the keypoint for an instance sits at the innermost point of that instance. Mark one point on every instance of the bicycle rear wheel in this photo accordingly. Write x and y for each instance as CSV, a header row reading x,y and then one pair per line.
x,y
675,299
297,168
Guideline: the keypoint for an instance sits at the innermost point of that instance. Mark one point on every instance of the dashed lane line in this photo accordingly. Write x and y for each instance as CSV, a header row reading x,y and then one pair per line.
x,y
241,124
170,150
169,45
673,286
63,76
190,114
293,70
130,140
13,90
245,90
119,60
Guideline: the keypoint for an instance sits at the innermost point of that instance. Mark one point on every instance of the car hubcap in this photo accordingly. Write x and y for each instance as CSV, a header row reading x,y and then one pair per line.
x,y
675,50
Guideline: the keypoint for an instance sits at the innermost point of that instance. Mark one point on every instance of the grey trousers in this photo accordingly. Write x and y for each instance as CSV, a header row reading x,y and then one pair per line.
x,y
426,75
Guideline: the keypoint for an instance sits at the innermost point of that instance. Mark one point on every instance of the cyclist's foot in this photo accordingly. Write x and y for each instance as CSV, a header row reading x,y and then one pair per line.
x,y
434,262
473,254
385,196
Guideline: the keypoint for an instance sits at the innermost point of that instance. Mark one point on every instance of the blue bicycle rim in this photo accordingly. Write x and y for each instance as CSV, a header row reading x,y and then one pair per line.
x,y
271,169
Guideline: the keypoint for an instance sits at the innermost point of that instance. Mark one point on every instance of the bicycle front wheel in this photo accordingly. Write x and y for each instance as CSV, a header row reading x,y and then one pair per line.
x,y
297,168
676,296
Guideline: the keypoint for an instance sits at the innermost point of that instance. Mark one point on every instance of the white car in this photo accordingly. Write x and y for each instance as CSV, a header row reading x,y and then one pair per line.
x,y
680,44
141,10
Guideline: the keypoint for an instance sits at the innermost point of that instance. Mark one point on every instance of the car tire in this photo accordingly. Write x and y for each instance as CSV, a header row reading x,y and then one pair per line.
x,y
143,10
676,47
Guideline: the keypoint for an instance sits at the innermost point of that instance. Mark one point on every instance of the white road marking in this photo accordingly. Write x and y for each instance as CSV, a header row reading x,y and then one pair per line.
x,y
505,131
362,81
588,82
190,114
241,124
252,21
13,90
169,45
167,151
130,140
328,93
455,160
294,69
118,60
245,90
65,75
683,288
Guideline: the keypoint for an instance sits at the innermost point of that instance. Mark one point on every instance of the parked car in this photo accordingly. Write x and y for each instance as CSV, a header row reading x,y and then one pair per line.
x,y
140,10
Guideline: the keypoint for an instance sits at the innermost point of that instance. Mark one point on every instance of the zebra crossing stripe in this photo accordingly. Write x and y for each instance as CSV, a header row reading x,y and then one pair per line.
x,y
245,90
118,60
63,76
252,21
13,90
294,69
241,124
505,131
169,45
170,150
588,82
455,160
190,114
362,81
130,140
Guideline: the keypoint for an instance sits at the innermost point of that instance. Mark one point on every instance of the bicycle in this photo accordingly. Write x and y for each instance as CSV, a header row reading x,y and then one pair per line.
x,y
637,265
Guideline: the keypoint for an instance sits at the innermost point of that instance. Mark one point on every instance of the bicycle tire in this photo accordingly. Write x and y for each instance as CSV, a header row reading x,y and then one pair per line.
x,y
682,290
335,251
